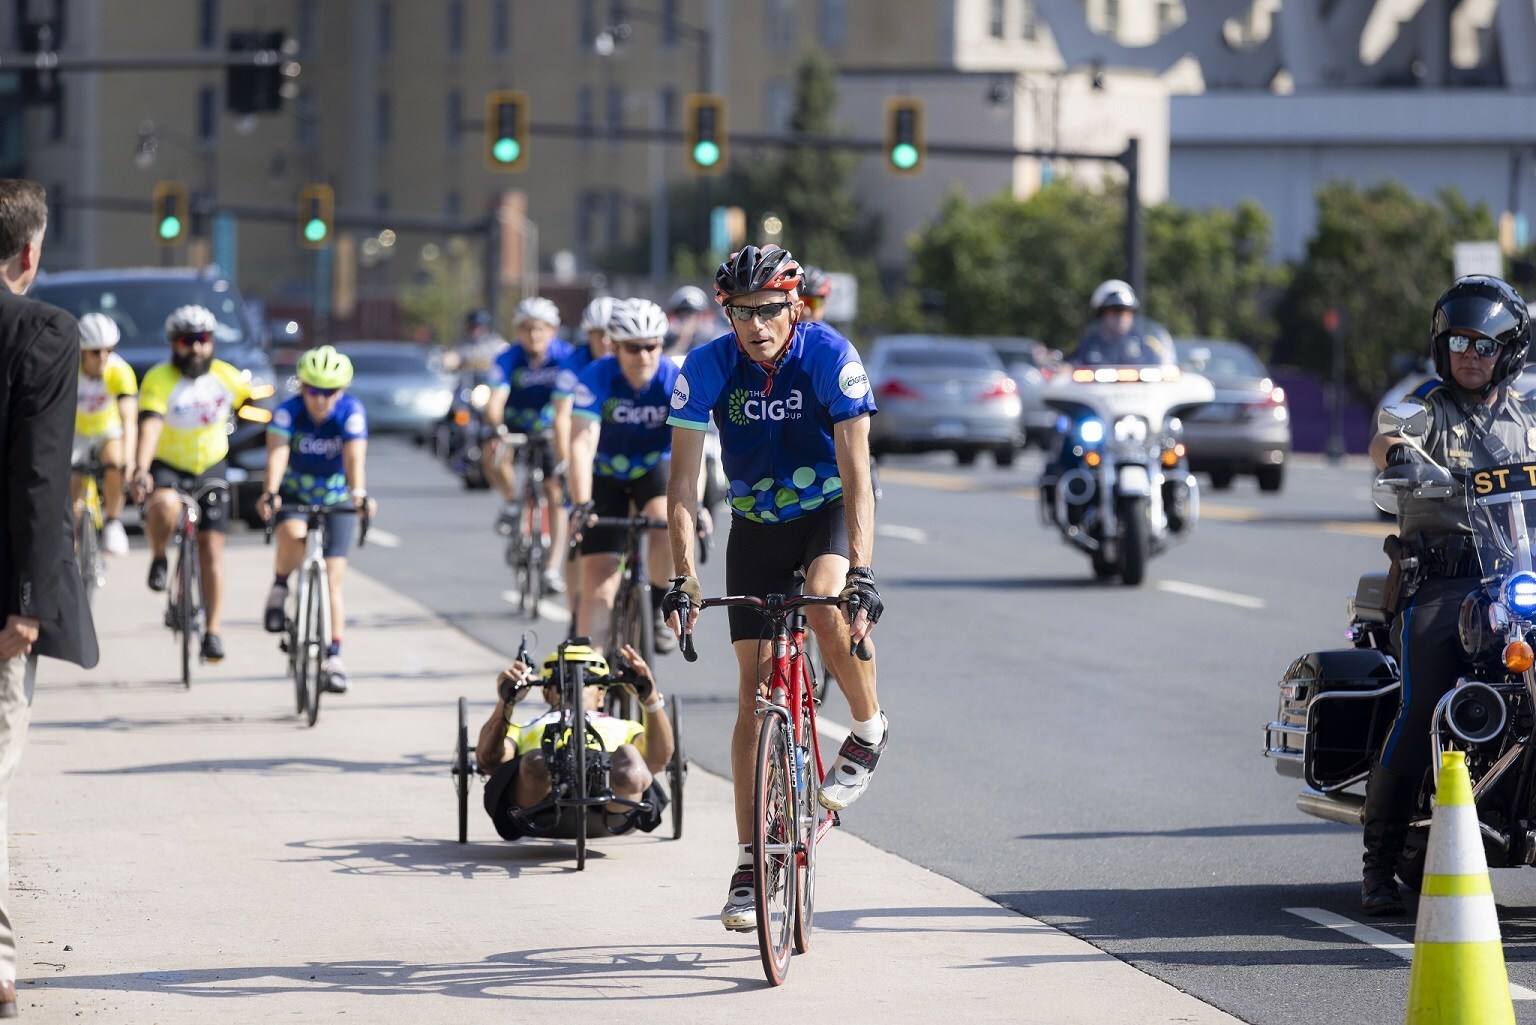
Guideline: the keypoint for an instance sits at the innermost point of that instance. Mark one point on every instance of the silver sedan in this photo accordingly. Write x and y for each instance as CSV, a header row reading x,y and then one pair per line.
x,y
943,394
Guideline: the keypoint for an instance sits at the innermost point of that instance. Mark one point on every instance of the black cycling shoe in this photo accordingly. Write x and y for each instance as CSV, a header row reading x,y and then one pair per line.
x,y
213,648
158,571
273,617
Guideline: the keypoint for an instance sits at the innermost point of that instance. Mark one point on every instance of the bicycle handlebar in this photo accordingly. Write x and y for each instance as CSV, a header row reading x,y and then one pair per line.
x,y
627,522
774,607
312,511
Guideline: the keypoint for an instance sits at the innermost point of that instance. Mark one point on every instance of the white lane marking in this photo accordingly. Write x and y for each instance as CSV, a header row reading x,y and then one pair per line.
x,y
383,538
547,609
1380,940
914,534
1244,601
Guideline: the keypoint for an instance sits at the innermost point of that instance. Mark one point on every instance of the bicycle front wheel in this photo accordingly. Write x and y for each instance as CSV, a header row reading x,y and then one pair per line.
x,y
312,649
810,813
295,649
773,846
88,553
186,606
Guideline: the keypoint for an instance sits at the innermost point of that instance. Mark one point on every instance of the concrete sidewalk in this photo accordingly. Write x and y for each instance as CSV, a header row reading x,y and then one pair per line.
x,y
197,856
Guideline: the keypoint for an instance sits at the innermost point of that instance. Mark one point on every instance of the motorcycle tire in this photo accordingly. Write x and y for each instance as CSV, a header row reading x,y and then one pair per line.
x,y
1134,543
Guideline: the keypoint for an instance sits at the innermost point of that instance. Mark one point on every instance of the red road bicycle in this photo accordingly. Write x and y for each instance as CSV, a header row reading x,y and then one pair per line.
x,y
787,820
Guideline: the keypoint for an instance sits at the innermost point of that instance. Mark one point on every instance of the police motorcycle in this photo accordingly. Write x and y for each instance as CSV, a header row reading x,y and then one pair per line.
x,y
462,433
1337,707
1120,488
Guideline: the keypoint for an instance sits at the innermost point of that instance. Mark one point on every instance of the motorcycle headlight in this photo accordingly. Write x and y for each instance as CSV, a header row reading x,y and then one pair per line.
x,y
1131,429
1091,431
480,396
1520,592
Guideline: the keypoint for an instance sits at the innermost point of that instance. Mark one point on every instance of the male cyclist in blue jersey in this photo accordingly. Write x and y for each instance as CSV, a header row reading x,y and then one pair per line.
x,y
522,384
621,448
594,324
316,447
793,403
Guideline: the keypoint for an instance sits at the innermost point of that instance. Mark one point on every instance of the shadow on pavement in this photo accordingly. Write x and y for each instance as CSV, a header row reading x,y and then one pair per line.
x,y
414,765
1003,583
1269,829
551,973
929,920
414,855
196,723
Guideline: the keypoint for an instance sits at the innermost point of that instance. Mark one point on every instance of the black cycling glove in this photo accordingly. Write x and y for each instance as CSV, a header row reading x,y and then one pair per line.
x,y
859,593
672,601
1405,455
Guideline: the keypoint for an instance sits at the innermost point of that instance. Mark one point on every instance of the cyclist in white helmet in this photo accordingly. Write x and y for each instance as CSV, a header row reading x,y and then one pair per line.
x,y
594,324
106,421
621,452
522,387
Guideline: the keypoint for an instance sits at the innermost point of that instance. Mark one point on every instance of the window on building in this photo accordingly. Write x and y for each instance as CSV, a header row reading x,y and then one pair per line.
x,y
208,24
613,219
777,104
587,205
207,114
455,27
309,27
834,24
383,116
385,27
779,32
453,113
501,27
668,106
1029,31
586,115
586,25
615,111
669,23
995,10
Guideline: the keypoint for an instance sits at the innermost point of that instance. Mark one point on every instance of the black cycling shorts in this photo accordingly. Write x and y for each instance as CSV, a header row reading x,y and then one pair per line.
x,y
499,791
544,455
612,497
338,532
215,504
761,558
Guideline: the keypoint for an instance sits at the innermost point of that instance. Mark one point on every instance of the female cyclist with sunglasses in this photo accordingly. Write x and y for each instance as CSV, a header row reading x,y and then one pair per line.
x,y
316,447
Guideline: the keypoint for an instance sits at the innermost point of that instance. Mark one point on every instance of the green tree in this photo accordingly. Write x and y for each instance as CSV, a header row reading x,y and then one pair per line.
x,y
446,287
1380,256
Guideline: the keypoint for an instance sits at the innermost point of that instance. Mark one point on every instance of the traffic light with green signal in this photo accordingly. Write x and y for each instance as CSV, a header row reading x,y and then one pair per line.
x,y
317,215
506,130
905,140
704,133
172,213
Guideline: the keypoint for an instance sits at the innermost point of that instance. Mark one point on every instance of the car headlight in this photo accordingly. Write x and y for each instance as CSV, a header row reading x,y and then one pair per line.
x,y
1091,431
434,400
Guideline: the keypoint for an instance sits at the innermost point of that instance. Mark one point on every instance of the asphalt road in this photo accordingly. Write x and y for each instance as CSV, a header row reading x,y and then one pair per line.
x,y
1089,755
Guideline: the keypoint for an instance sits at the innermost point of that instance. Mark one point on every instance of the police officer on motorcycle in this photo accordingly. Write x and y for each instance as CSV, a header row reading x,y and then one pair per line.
x,y
1115,338
1479,337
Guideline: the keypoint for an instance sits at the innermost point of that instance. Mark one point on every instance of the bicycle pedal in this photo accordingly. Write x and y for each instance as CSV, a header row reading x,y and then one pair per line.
x,y
282,645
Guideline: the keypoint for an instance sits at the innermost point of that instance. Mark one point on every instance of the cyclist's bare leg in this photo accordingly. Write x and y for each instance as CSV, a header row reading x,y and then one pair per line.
x,y
532,783
290,546
498,469
112,497
574,585
658,556
855,677
754,662
600,575
160,512
335,570
628,775
557,517
210,551
76,489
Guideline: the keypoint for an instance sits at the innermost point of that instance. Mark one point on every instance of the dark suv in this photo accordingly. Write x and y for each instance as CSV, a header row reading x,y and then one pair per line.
x,y
138,300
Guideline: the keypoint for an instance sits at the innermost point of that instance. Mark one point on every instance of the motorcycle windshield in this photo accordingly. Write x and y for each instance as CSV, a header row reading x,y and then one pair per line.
x,y
1501,502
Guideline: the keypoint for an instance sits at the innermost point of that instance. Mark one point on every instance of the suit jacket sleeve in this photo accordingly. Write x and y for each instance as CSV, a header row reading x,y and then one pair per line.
x,y
41,436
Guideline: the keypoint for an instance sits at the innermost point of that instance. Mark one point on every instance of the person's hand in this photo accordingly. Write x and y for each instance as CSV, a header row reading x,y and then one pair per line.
x,y
673,600
581,517
639,677
267,505
1404,454
19,635
706,521
139,490
513,683
862,602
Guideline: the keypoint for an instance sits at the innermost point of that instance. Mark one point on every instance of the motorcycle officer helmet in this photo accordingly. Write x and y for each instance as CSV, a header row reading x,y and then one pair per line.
x,y
595,316
1480,305
1113,293
688,299
477,318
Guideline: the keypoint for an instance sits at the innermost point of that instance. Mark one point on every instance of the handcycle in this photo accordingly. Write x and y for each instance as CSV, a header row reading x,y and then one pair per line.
x,y
579,773
528,543
185,611
89,521
788,822
308,630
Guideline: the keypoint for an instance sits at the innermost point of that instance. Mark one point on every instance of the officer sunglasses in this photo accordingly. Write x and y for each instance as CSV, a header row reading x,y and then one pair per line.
x,y
768,311
1482,344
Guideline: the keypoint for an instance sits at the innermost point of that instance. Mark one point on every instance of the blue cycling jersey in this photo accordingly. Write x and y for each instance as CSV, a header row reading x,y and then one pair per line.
x,y
529,388
316,474
580,359
635,438
775,433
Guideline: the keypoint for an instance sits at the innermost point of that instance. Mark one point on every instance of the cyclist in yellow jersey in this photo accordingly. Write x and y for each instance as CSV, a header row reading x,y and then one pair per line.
x,y
106,422
515,756
184,411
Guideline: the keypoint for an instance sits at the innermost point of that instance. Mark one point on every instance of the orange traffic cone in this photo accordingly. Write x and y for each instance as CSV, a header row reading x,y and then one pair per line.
x,y
1458,975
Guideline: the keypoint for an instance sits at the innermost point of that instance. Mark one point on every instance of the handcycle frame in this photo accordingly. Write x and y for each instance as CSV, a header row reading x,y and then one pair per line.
x,y
630,622
790,705
305,646
185,615
528,545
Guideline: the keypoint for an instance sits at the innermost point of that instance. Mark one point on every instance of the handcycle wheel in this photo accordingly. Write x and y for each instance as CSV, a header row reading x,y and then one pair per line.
x,y
461,770
773,856
313,647
677,768
186,608
578,742
806,834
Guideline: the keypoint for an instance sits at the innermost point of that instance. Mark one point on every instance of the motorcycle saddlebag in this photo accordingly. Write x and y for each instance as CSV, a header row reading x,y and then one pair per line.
x,y
1335,710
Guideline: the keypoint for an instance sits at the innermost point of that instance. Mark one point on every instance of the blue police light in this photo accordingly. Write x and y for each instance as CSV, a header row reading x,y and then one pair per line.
x,y
1091,431
1520,592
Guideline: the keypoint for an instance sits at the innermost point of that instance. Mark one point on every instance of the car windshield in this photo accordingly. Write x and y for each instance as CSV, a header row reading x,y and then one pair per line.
x,y
957,357
139,308
1218,360
386,362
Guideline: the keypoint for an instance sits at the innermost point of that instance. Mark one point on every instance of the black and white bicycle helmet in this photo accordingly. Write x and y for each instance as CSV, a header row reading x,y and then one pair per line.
x,y
190,320
634,319
770,268
536,307
595,316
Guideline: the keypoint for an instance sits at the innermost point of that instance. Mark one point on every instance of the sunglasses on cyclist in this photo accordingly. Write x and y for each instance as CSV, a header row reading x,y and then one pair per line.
x,y
320,393
636,349
193,338
768,311
1482,344
815,302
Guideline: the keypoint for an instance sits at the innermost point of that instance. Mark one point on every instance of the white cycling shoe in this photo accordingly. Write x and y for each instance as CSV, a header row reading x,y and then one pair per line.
x,y
114,539
851,772
740,911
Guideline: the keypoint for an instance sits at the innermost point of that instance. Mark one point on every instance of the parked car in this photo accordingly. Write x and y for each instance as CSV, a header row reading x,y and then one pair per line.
x,y
402,385
1247,429
1031,364
138,300
942,394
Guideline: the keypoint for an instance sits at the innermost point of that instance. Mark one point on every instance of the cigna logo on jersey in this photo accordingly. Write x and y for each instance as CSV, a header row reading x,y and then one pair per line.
x,y
745,407
325,448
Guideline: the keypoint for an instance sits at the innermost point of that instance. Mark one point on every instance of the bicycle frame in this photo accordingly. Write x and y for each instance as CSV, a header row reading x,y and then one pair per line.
x,y
89,521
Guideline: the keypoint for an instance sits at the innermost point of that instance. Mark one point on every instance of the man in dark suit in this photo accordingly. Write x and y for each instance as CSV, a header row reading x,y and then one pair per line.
x,y
45,611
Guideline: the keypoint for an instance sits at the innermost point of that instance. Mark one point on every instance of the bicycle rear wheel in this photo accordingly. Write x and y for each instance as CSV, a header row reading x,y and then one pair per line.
x,y
186,606
461,770
312,649
773,846
810,813
88,552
